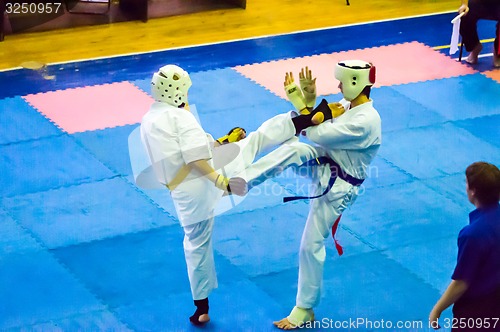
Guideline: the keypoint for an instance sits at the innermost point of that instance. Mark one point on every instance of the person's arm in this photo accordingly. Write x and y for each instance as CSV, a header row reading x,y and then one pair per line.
x,y
342,135
204,169
454,291
195,151
235,185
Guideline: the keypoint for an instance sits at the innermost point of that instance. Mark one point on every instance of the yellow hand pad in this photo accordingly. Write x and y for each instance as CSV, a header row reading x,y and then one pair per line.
x,y
234,135
222,182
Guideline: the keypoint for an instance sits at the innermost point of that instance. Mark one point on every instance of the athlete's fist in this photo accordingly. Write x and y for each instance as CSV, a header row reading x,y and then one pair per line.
x,y
234,135
237,186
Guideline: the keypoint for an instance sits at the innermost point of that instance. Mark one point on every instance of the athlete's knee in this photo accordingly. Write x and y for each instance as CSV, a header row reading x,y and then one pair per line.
x,y
303,151
311,247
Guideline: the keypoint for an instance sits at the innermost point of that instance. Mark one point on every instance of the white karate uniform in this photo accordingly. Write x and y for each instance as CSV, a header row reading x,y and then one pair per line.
x,y
173,138
352,140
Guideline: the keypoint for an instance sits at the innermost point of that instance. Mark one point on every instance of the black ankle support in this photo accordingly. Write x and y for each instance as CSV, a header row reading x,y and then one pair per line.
x,y
202,304
301,122
201,309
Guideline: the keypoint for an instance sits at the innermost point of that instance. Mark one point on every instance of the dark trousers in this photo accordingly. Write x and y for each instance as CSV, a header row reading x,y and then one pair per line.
x,y
473,314
2,10
479,9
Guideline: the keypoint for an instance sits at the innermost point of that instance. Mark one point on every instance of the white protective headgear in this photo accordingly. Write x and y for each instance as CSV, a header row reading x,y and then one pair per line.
x,y
355,75
170,85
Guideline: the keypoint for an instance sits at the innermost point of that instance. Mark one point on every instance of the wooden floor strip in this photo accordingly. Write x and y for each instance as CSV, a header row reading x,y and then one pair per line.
x,y
260,18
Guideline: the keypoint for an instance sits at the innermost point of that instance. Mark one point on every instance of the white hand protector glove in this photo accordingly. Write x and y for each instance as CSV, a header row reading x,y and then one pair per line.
x,y
308,86
294,94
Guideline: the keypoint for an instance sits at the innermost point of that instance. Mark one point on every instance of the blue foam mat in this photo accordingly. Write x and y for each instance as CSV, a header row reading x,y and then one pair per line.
x,y
358,288
144,84
47,164
110,146
38,290
281,286
87,212
433,261
355,288
130,268
14,238
137,268
19,121
400,112
226,89
382,173
415,150
452,187
101,320
404,214
486,128
160,197
239,301
262,241
456,98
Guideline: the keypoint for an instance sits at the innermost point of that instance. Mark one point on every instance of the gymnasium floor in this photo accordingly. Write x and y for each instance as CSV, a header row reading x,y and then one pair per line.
x,y
84,249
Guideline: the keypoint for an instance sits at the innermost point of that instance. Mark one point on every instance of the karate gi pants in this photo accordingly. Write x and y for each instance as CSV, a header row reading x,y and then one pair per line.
x,y
198,249
322,213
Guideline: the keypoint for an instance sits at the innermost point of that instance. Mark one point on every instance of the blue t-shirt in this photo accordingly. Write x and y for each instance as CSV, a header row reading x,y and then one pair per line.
x,y
478,262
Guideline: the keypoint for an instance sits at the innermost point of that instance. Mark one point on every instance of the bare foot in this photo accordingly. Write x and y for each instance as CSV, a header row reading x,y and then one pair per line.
x,y
284,324
473,55
298,316
202,320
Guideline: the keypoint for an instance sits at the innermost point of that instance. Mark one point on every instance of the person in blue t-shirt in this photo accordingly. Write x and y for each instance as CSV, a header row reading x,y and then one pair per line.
x,y
475,287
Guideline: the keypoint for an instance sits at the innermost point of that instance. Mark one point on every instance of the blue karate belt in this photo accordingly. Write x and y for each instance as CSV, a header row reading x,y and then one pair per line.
x,y
336,172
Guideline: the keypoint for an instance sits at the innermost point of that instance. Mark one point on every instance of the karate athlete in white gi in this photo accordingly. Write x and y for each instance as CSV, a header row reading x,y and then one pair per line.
x,y
345,148
181,155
